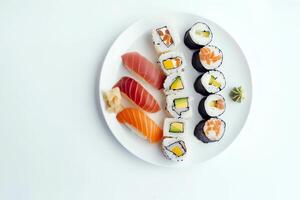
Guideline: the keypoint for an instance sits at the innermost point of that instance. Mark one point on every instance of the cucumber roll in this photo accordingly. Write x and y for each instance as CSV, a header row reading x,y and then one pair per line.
x,y
210,82
207,58
198,36
212,106
210,130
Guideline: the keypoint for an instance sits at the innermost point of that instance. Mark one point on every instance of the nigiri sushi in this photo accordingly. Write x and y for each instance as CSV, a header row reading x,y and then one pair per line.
x,y
138,94
144,68
139,122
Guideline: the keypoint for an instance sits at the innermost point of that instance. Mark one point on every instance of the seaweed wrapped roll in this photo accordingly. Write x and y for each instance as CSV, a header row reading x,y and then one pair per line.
x,y
174,148
210,130
198,36
212,106
210,82
207,58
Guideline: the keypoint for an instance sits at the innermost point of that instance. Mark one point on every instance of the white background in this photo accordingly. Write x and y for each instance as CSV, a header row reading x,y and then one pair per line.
x,y
54,143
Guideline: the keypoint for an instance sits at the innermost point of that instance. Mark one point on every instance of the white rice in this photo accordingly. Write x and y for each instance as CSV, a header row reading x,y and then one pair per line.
x,y
211,135
213,65
213,111
170,79
166,129
168,154
183,114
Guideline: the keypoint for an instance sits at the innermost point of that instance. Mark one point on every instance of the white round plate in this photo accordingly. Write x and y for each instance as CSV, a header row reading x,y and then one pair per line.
x,y
235,68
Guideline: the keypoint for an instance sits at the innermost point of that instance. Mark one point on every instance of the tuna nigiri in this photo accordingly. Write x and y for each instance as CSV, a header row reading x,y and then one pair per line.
x,y
140,65
140,122
138,94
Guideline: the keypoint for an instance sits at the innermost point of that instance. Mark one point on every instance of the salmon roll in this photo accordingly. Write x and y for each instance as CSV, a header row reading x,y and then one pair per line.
x,y
210,82
212,106
165,39
207,58
198,36
174,149
210,130
172,62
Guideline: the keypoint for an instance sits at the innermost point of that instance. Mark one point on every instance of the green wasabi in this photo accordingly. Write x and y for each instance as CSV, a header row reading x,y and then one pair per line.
x,y
237,94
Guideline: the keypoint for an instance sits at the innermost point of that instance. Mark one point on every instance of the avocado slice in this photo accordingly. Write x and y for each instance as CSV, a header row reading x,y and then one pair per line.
x,y
181,103
177,84
176,127
213,81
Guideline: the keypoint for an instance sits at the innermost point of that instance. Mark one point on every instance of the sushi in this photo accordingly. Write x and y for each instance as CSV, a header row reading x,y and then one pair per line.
x,y
144,68
210,130
174,83
172,62
212,106
198,36
207,58
137,94
174,148
139,122
210,82
179,106
174,127
165,39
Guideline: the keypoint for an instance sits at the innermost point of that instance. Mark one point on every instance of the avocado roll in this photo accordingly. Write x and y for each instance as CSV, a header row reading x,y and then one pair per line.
x,y
210,82
174,83
174,148
207,58
179,106
165,39
172,62
198,36
212,106
210,130
174,127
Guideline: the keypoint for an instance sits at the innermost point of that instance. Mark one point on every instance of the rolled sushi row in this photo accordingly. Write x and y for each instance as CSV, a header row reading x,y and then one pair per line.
x,y
206,60
178,104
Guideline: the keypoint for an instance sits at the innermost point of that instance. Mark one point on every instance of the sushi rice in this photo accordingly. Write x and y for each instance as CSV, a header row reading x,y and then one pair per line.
x,y
174,148
174,83
172,62
179,105
165,39
174,127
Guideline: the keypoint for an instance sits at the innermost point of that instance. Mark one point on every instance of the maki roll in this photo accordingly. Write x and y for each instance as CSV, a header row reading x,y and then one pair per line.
x,y
207,58
179,106
165,39
210,130
174,148
172,62
212,106
198,36
174,127
174,83
210,82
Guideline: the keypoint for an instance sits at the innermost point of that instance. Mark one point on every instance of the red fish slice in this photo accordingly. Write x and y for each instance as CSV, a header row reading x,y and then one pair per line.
x,y
146,127
140,65
138,94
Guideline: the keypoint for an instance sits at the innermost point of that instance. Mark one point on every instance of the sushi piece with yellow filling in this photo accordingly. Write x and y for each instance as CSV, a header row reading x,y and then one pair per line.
x,y
174,148
174,127
179,106
174,83
172,62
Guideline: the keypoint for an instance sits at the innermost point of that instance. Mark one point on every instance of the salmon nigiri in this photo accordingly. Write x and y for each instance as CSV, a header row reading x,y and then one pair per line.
x,y
140,122
141,66
138,94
